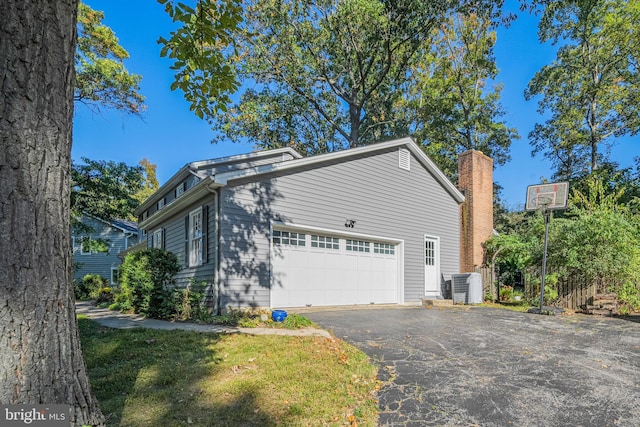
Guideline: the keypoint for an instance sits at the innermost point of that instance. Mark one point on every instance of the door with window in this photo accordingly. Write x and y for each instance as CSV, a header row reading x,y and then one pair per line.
x,y
431,266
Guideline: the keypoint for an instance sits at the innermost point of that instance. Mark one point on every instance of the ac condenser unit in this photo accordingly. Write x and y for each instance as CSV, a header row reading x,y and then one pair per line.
x,y
466,288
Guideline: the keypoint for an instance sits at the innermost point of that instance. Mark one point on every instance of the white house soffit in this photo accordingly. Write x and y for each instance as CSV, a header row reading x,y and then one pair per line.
x,y
191,196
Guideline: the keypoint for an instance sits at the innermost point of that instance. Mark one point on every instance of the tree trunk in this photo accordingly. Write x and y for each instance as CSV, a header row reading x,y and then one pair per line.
x,y
40,357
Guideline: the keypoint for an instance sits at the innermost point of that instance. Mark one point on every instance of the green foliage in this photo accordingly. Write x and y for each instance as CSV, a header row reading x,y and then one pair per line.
x,y
188,302
629,297
149,183
201,50
452,107
105,296
89,287
297,321
590,89
147,282
327,75
101,77
105,189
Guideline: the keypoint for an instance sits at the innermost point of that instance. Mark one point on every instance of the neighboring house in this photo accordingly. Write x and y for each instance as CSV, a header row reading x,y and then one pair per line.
x,y
376,224
119,235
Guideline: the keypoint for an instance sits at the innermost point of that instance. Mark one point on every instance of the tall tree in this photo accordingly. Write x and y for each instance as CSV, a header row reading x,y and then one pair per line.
x,y
101,77
592,89
106,189
451,109
322,75
40,356
150,182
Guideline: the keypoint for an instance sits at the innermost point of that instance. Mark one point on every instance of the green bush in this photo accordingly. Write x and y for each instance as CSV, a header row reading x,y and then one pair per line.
x,y
147,282
629,297
188,302
105,296
89,287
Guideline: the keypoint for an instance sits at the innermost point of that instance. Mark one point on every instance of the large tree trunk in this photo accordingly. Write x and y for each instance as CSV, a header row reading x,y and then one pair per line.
x,y
40,357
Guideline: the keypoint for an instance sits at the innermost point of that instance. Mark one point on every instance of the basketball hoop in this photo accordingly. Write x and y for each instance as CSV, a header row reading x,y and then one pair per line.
x,y
546,197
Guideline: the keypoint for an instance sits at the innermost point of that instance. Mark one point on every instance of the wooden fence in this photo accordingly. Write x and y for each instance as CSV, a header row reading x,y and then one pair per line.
x,y
573,293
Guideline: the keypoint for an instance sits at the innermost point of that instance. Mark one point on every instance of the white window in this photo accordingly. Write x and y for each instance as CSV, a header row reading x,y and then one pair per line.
x,y
195,237
115,276
161,203
288,238
358,246
158,238
430,252
384,248
180,190
85,245
325,242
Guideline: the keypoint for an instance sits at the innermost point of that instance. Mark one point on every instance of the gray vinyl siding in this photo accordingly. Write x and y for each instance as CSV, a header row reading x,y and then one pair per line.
x,y
174,240
100,263
383,199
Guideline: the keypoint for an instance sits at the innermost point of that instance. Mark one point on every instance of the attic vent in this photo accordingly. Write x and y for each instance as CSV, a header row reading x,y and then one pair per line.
x,y
404,159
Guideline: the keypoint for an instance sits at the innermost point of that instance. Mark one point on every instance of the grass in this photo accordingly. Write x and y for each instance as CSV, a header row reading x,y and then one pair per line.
x,y
179,378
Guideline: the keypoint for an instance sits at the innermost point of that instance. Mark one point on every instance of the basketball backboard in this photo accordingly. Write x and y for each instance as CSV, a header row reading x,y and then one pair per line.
x,y
547,196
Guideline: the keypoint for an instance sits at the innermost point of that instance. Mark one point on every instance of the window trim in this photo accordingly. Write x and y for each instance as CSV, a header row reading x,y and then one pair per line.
x,y
82,242
158,239
195,253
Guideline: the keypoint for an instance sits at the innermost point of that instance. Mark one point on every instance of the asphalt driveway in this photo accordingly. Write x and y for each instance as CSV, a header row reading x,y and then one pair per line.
x,y
489,367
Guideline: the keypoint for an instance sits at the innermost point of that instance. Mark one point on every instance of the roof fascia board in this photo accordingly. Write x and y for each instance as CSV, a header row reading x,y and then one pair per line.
x,y
110,224
190,169
172,182
207,185
248,156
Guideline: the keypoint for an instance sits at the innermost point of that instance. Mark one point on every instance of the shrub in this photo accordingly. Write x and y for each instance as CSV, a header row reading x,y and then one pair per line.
x,y
629,297
147,282
89,287
105,296
188,302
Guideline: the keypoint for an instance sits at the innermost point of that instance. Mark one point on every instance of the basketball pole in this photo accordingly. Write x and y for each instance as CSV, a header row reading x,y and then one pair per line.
x,y
547,216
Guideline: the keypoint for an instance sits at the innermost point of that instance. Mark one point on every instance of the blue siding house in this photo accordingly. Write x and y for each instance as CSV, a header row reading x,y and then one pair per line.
x,y
378,224
119,236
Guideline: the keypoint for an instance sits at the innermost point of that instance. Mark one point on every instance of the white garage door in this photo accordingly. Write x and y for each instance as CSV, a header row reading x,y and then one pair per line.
x,y
315,269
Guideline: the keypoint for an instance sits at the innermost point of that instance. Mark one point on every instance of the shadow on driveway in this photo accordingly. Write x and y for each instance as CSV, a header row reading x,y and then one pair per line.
x,y
490,367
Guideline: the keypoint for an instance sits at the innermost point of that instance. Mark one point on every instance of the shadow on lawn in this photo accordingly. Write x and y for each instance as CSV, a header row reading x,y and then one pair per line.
x,y
155,378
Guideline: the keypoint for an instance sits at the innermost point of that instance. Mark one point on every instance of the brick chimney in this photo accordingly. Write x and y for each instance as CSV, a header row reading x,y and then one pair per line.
x,y
475,180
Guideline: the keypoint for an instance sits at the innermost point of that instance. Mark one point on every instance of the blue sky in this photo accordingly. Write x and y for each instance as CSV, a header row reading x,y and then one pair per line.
x,y
170,136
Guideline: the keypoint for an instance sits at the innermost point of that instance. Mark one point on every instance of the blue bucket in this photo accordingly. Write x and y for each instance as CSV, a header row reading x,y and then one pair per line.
x,y
278,315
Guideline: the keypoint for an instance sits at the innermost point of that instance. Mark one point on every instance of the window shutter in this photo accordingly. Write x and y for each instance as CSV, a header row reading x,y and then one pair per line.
x,y
186,241
164,239
149,240
205,234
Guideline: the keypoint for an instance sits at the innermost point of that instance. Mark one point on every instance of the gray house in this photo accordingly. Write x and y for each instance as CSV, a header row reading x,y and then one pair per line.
x,y
370,225
119,235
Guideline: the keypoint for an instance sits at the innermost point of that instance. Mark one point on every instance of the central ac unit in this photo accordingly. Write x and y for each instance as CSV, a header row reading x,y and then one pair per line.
x,y
466,288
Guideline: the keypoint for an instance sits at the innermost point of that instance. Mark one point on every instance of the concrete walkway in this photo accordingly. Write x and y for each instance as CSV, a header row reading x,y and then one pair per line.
x,y
115,319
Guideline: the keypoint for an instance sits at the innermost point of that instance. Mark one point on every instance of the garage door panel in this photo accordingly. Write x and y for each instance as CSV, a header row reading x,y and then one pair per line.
x,y
329,276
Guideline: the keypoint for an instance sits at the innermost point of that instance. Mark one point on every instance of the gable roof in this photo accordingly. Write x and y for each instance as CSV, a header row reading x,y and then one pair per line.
x,y
318,160
123,225
193,168
209,182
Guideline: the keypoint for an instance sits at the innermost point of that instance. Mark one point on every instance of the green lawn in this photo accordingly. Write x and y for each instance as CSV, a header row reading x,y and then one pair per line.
x,y
146,377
